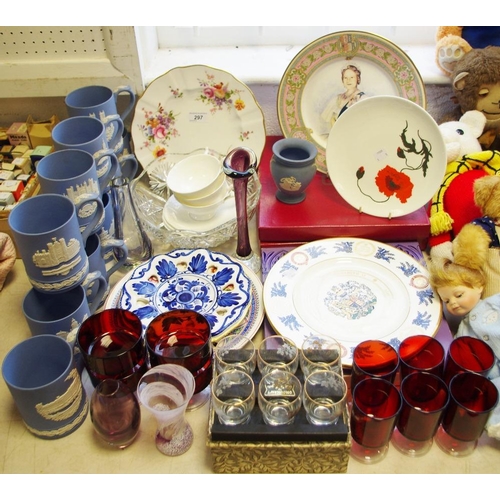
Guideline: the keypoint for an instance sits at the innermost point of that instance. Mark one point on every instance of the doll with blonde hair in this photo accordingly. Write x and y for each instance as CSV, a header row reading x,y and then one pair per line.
x,y
460,284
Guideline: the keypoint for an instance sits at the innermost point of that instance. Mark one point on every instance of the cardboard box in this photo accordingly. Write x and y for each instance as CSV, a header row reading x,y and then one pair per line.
x,y
325,214
31,189
40,132
18,134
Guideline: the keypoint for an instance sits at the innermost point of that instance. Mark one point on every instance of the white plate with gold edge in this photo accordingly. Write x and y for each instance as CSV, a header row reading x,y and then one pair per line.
x,y
314,77
402,161
352,289
250,324
193,107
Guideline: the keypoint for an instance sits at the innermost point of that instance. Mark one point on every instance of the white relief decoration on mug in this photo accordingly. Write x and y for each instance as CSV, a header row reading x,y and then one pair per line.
x,y
70,336
80,192
62,285
58,252
66,404
87,210
66,428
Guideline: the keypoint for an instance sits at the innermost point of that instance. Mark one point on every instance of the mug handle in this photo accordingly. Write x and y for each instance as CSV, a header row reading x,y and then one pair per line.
x,y
98,214
123,254
103,175
128,172
125,89
114,130
90,279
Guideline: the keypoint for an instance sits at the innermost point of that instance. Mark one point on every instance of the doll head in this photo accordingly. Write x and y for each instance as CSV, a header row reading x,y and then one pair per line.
x,y
459,287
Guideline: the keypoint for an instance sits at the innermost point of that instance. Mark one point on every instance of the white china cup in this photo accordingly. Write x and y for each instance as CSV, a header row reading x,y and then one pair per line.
x,y
194,177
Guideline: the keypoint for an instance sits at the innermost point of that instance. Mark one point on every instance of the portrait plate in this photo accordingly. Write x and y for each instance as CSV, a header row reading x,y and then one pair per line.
x,y
314,79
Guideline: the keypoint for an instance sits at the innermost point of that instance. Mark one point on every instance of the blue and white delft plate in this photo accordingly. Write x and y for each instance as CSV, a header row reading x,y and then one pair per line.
x,y
352,289
199,280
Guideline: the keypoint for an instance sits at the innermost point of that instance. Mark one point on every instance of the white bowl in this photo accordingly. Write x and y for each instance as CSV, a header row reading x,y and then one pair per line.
x,y
219,194
195,176
203,212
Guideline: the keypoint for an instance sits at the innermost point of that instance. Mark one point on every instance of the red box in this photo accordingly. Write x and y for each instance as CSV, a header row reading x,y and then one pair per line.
x,y
12,186
325,214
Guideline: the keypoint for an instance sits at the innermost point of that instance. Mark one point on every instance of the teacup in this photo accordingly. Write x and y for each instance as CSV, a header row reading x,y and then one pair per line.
x,y
47,234
72,173
194,177
89,134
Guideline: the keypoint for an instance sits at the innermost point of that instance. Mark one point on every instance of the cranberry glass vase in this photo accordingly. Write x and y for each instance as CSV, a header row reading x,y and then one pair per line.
x,y
115,413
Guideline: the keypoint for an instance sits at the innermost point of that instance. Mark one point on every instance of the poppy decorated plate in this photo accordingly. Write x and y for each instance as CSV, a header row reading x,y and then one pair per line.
x,y
386,156
207,282
352,289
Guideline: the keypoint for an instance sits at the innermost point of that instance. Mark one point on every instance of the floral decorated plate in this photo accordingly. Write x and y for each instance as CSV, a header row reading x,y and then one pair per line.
x,y
200,280
352,289
332,73
196,107
246,329
401,163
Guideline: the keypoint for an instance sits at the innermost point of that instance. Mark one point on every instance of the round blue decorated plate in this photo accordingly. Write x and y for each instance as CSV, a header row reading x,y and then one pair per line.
x,y
207,282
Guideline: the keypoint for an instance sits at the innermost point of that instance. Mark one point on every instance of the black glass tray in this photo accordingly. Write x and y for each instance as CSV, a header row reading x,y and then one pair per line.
x,y
299,430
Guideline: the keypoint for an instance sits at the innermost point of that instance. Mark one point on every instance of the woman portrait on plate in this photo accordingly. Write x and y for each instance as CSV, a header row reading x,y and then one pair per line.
x,y
351,79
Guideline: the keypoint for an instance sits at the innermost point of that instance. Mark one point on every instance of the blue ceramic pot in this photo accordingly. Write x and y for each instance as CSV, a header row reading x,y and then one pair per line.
x,y
293,168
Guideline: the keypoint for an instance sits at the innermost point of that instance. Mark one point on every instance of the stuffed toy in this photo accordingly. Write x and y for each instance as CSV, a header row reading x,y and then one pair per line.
x,y
480,237
453,204
453,42
476,86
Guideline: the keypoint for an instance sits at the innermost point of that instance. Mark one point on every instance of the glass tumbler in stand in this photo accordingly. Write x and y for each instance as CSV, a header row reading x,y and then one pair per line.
x,y
240,164
165,391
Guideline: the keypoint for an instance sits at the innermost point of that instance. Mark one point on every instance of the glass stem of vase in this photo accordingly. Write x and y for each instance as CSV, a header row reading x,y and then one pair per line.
x,y
243,248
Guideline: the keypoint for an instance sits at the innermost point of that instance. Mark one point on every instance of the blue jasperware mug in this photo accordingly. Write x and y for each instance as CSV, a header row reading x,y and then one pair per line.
x,y
101,102
89,134
46,231
43,380
73,173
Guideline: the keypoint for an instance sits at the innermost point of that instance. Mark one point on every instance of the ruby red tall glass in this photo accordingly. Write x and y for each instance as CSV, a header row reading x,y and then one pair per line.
x,y
376,404
112,346
468,354
472,399
421,353
183,337
374,358
424,399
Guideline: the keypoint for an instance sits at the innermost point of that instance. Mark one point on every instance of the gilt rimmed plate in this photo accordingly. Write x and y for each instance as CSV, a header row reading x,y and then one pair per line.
x,y
352,289
200,280
393,164
248,328
192,107
313,80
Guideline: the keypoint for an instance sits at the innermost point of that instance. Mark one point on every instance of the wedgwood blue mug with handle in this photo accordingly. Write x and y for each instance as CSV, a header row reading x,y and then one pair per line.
x,y
88,134
44,382
47,234
73,173
101,102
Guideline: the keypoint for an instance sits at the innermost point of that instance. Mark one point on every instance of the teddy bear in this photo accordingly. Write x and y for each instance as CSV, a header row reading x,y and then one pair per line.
x,y
453,204
476,85
453,42
480,236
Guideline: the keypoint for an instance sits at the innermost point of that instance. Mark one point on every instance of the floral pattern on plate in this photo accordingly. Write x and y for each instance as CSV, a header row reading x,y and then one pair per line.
x,y
194,107
209,283
352,289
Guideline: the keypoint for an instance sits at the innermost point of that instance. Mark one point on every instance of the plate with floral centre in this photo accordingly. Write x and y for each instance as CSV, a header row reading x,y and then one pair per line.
x,y
207,282
352,289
